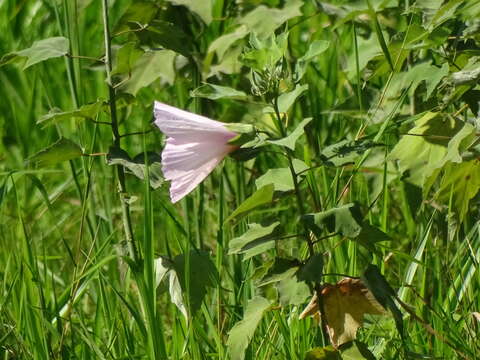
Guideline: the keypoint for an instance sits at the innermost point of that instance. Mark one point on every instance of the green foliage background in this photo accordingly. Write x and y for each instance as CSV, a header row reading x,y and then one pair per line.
x,y
381,107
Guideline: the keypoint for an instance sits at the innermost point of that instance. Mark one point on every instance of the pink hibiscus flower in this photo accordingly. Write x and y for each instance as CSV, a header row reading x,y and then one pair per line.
x,y
194,146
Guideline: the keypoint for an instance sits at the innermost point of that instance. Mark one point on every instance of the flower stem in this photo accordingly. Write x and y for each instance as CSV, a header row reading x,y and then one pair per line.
x,y
127,222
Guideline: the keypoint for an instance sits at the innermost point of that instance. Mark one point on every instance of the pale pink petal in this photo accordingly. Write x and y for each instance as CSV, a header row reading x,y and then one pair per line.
x,y
182,186
194,147
182,124
186,165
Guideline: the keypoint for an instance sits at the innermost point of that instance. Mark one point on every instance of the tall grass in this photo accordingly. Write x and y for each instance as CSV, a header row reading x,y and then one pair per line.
x,y
80,238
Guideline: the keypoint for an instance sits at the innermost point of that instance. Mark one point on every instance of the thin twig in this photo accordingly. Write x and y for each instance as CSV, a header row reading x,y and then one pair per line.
x,y
85,58
137,133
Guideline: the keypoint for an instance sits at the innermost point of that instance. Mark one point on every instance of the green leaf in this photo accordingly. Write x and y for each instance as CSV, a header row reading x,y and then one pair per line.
x,y
462,182
221,44
137,166
139,13
280,270
291,139
412,78
215,92
201,8
40,51
167,35
202,274
444,13
435,140
164,268
383,293
368,49
316,48
345,220
242,332
264,54
256,240
472,98
264,20
293,291
286,100
126,57
229,63
325,353
434,78
345,152
281,178
88,111
149,67
370,235
355,350
62,150
262,196
312,270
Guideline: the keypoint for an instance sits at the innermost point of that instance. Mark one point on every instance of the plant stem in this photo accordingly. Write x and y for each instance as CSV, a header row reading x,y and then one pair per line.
x,y
127,222
298,194
290,157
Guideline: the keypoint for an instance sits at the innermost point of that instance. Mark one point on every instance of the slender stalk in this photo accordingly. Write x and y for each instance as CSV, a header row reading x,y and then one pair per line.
x,y
298,193
127,222
301,207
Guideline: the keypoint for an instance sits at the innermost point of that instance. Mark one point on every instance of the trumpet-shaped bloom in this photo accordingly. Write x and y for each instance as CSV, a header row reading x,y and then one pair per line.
x,y
194,146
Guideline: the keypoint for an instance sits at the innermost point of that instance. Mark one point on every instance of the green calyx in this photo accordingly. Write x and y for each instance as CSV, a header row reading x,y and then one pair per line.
x,y
246,133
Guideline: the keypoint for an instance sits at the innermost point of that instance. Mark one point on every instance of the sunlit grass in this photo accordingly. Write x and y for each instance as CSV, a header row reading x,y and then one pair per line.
x,y
69,288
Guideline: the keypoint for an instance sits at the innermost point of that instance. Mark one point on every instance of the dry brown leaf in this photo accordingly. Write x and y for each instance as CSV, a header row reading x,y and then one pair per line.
x,y
476,316
344,304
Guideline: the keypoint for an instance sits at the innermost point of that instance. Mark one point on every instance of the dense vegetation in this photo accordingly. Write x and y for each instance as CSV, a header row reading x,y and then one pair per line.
x,y
362,164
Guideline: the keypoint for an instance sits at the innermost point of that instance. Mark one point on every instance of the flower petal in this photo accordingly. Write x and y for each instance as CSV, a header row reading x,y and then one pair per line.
x,y
195,145
188,164
185,125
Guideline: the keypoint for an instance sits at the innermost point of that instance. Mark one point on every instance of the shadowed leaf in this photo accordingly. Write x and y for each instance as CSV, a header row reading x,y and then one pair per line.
x,y
356,350
383,293
434,141
41,50
325,353
262,196
215,92
201,8
256,240
461,182
148,68
221,44
242,332
62,150
88,111
264,20
202,274
137,166
345,220
164,34
126,57
139,13
316,48
312,270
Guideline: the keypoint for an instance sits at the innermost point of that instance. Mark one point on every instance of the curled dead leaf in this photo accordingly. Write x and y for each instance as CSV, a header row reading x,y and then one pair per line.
x,y
344,304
